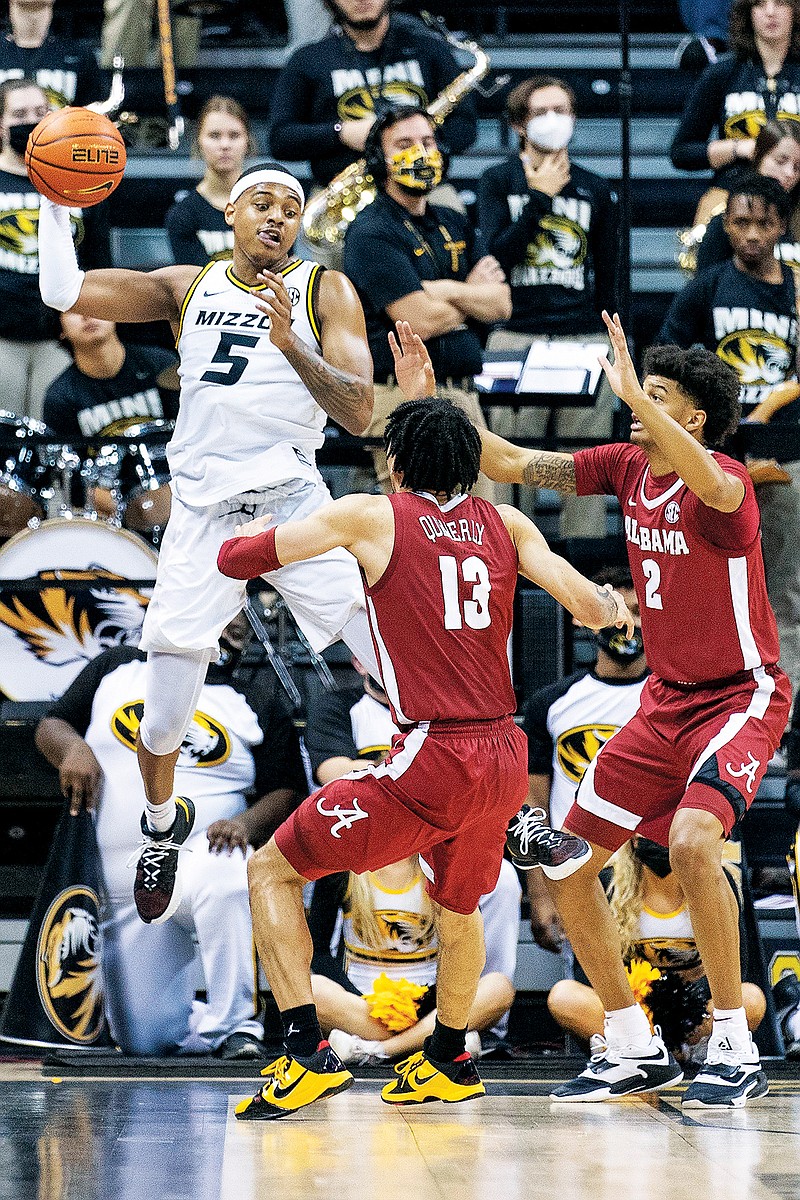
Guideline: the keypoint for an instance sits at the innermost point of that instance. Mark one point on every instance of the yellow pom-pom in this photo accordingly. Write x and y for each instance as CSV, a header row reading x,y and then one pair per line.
x,y
641,976
394,1002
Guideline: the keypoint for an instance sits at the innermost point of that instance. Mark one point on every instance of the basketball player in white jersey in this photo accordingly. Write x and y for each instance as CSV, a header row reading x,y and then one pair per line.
x,y
269,346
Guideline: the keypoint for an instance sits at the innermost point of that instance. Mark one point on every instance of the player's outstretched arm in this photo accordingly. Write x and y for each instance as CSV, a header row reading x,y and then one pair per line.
x,y
361,524
340,379
501,460
595,607
111,295
688,457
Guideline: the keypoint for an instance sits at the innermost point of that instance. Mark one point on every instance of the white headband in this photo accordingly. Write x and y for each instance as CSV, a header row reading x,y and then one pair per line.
x,y
267,176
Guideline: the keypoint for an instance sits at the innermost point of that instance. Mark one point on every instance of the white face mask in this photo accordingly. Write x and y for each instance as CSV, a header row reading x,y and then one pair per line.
x,y
550,131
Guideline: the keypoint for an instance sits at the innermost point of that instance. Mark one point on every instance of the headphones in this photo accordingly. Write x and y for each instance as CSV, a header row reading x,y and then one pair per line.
x,y
386,115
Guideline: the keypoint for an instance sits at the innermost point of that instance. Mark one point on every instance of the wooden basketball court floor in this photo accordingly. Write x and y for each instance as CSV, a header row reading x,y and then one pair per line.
x,y
176,1138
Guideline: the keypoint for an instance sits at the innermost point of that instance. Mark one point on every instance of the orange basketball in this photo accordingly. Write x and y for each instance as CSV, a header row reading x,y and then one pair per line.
x,y
75,157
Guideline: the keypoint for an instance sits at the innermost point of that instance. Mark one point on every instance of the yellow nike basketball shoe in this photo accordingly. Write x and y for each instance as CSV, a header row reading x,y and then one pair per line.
x,y
420,1079
293,1083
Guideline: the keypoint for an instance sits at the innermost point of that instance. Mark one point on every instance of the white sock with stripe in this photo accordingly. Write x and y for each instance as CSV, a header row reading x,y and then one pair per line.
x,y
161,817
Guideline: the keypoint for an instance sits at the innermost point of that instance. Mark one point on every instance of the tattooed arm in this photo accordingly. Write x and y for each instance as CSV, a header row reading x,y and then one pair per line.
x,y
506,463
340,379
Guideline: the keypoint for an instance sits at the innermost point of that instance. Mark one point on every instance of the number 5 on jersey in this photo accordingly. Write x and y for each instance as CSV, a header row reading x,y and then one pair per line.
x,y
474,613
235,363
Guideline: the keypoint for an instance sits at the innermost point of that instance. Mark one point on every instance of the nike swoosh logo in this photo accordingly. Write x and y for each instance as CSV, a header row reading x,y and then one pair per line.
x,y
280,1093
633,502
218,293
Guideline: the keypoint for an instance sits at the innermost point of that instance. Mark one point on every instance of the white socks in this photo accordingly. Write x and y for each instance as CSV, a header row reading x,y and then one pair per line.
x,y
628,1027
730,1025
161,817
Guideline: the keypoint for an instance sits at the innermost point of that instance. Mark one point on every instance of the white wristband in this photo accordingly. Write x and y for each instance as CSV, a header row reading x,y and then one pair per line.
x,y
60,277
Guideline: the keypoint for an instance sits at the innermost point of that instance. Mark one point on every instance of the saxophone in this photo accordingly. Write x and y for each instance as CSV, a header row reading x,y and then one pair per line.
x,y
327,216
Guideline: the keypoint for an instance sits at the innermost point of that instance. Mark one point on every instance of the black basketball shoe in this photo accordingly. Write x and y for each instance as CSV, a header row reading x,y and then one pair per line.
x,y
156,891
532,843
616,1071
728,1079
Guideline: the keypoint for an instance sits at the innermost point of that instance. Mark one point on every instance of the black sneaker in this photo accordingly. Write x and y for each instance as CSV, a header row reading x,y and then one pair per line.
x,y
156,891
728,1079
240,1046
616,1071
532,843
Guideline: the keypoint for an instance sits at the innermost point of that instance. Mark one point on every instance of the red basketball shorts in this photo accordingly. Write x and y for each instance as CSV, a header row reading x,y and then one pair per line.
x,y
445,791
715,741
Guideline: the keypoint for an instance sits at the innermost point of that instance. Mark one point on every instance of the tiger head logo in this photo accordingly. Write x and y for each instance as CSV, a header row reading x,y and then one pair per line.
x,y
560,244
756,356
61,628
359,102
68,974
577,747
19,231
207,742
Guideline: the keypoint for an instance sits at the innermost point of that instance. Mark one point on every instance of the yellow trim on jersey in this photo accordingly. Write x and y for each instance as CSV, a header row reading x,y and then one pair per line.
x,y
188,297
287,270
367,751
312,319
664,916
403,891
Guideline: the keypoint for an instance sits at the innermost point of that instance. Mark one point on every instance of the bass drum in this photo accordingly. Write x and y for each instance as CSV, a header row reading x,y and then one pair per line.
x,y
144,480
49,632
20,472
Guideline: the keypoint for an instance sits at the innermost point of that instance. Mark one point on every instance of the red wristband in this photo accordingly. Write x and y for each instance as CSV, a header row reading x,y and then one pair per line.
x,y
248,557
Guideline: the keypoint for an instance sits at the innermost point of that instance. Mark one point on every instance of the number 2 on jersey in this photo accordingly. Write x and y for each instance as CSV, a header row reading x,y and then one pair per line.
x,y
235,363
652,574
476,613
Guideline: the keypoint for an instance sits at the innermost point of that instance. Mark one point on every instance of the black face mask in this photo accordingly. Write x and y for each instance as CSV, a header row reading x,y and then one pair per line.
x,y
622,649
651,855
18,137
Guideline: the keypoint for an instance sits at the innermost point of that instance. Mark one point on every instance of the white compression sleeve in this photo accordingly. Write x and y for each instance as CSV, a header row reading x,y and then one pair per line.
x,y
60,277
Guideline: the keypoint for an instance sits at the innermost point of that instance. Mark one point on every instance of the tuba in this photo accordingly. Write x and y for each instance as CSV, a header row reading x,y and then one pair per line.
x,y
327,216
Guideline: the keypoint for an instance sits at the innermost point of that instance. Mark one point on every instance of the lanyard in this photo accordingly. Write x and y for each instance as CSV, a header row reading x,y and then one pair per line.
x,y
455,249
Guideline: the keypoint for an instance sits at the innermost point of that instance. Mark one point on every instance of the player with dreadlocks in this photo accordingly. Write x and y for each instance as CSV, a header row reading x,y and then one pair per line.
x,y
439,568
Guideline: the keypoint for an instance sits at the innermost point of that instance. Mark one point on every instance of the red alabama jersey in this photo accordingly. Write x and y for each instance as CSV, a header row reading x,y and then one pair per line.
x,y
698,573
441,613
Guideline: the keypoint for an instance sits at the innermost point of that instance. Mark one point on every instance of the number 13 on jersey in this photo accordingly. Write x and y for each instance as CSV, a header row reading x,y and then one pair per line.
x,y
474,612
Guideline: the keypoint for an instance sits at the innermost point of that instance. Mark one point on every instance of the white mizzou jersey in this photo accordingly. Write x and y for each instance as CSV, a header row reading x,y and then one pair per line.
x,y
410,946
246,418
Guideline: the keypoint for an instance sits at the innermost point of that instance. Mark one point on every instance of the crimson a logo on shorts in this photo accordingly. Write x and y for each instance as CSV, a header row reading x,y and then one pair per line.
x,y
672,512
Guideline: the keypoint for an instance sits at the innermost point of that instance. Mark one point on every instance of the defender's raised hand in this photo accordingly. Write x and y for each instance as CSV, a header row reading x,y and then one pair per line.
x,y
413,368
621,374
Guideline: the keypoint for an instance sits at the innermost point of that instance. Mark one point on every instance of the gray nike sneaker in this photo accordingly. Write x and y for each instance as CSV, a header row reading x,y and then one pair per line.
x,y
615,1070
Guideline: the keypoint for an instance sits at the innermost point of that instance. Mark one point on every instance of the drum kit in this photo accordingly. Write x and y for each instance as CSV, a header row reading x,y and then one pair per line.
x,y
81,529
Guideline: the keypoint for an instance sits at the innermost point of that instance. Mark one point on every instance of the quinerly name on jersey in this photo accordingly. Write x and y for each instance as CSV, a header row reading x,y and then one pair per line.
x,y
660,541
457,531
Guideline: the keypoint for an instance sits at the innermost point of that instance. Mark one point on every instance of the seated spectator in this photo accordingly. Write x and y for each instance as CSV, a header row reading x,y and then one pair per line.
x,y
415,261
65,70
566,724
345,731
777,156
744,309
30,354
657,940
241,741
324,102
382,1004
756,81
196,225
305,19
554,228
128,29
109,386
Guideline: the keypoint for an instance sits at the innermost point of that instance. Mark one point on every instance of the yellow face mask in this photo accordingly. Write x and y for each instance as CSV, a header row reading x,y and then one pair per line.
x,y
415,168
